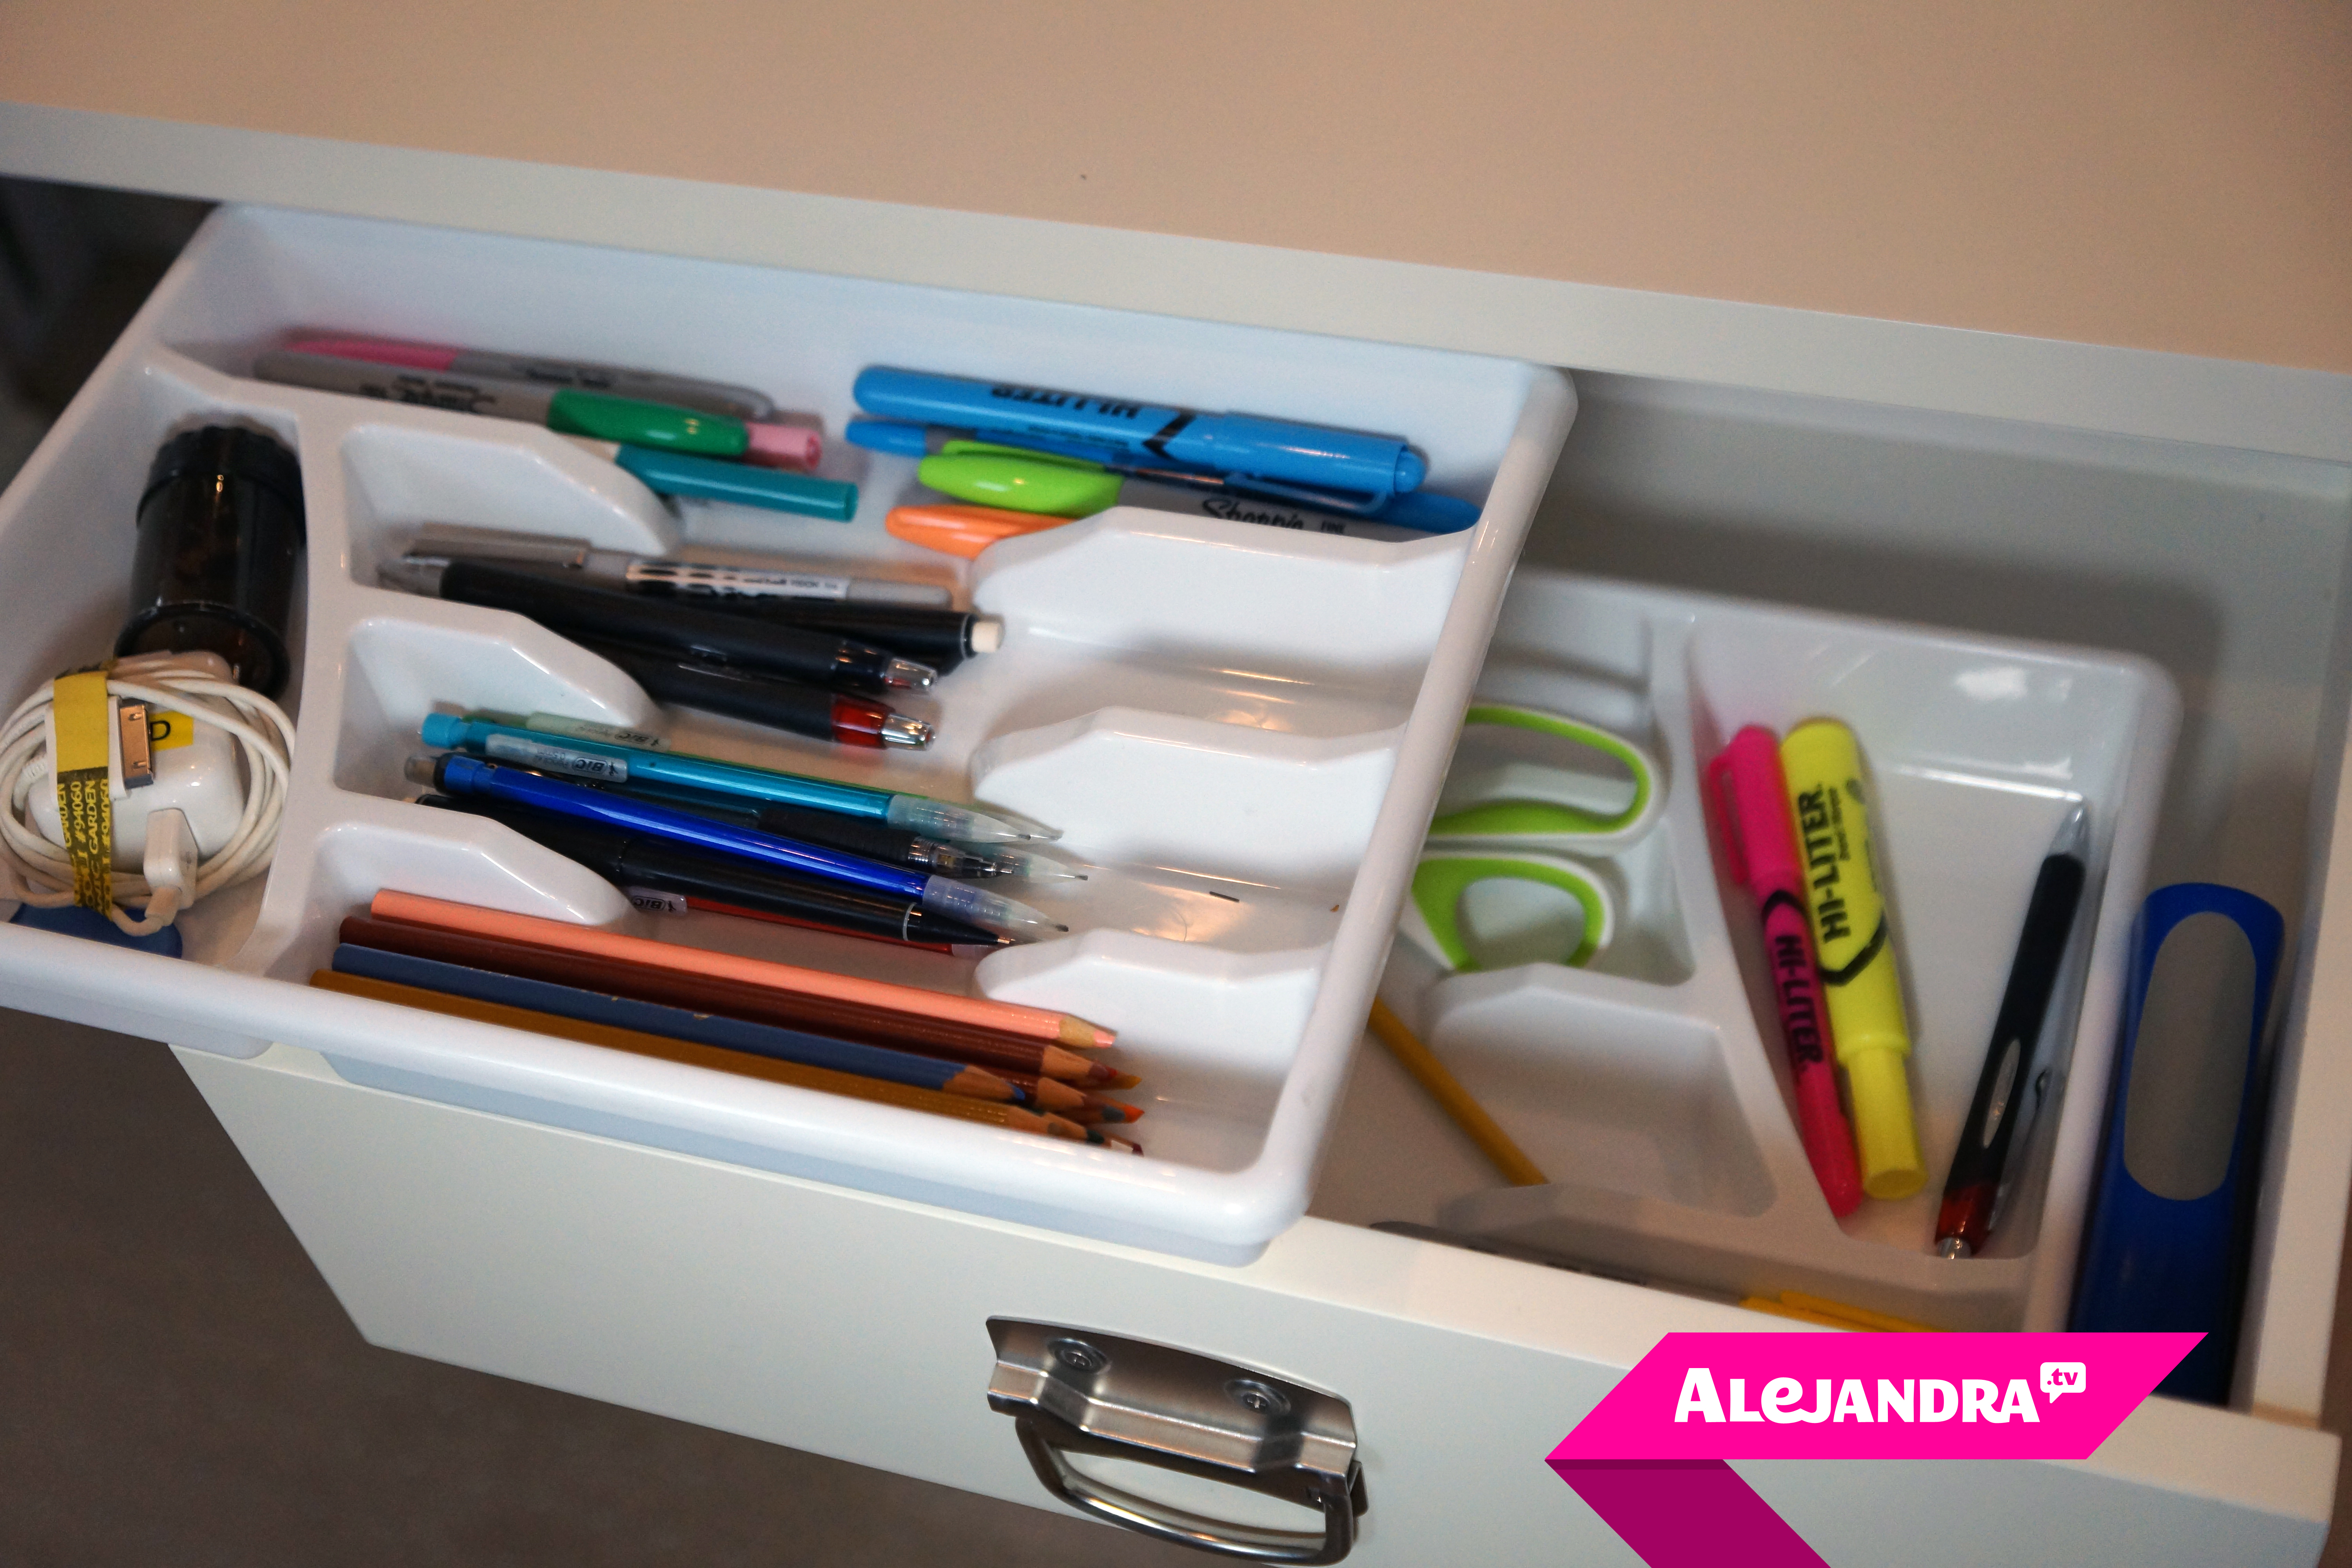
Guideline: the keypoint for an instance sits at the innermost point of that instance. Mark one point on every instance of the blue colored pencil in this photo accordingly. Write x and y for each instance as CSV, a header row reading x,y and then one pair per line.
x,y
675,1023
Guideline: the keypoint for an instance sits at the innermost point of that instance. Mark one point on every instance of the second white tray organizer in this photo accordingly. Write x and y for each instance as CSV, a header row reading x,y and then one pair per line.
x,y
1241,729
1652,1087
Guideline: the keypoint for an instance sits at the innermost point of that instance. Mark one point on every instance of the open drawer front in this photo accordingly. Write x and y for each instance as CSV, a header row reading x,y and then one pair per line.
x,y
826,1308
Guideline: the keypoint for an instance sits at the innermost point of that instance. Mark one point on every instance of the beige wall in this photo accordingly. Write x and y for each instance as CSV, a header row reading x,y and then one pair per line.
x,y
2159,176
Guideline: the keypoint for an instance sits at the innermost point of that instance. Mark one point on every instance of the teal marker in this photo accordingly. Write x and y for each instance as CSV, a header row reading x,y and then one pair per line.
x,y
673,473
580,748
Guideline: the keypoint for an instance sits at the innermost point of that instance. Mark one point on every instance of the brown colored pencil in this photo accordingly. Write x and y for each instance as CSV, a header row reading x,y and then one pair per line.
x,y
1011,1017
992,1048
1049,1094
996,1113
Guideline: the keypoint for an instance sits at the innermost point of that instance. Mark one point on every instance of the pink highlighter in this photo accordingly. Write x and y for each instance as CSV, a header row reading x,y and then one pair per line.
x,y
1750,796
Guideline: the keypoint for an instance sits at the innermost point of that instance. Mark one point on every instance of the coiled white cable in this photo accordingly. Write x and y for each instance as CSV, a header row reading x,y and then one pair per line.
x,y
37,872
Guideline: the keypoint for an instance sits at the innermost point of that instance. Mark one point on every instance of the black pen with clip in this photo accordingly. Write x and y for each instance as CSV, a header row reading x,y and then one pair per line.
x,y
586,611
1972,1192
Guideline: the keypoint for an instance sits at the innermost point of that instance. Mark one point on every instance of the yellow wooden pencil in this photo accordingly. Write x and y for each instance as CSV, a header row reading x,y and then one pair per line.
x,y
1454,1100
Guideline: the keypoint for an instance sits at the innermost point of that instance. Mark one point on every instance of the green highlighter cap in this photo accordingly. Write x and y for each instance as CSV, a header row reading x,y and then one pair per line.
x,y
573,412
1020,481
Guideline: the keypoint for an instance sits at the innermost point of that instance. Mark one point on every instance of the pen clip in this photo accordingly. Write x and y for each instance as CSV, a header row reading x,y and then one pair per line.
x,y
1719,796
439,541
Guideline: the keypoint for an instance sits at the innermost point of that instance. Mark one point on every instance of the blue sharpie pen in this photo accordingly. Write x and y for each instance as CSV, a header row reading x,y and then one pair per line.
x,y
1377,466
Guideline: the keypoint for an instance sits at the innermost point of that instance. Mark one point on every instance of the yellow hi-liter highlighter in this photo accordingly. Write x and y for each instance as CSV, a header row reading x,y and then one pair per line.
x,y
1856,951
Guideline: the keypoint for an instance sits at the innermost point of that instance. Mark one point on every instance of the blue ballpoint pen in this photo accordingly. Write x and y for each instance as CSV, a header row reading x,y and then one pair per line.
x,y
458,774
1280,449
586,739
1422,511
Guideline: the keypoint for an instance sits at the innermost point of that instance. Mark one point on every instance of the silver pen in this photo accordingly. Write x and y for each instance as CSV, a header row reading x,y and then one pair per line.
x,y
497,365
442,541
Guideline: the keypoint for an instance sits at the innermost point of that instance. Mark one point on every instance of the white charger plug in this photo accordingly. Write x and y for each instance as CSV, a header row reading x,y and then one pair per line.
x,y
170,864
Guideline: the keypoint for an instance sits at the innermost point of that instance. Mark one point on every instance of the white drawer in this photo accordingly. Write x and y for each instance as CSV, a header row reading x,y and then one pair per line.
x,y
853,1323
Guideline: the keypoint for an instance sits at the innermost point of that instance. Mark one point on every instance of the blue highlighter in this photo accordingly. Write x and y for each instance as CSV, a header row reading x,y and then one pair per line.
x,y
2167,1238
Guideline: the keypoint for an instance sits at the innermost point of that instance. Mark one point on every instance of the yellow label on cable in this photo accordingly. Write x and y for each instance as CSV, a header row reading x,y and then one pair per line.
x,y
167,730
84,725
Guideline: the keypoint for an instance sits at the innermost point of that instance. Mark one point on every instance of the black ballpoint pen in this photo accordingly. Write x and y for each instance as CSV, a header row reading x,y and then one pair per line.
x,y
1973,1189
939,637
689,631
759,698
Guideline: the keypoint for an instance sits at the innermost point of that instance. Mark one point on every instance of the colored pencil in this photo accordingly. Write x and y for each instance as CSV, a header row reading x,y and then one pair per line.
x,y
999,1053
675,1023
1831,1314
995,1114
1452,1098
1033,1023
1862,1316
1079,1104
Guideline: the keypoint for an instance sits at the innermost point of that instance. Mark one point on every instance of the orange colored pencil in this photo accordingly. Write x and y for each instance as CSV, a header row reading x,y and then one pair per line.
x,y
1012,1018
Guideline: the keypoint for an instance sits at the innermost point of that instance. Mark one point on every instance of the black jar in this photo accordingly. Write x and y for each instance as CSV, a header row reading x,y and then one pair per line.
x,y
220,527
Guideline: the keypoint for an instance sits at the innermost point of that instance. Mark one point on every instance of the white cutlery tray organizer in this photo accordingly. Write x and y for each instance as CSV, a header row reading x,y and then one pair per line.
x,y
1652,1085
1241,730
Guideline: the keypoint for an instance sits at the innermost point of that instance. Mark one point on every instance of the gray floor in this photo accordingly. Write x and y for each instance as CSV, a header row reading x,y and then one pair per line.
x,y
177,1386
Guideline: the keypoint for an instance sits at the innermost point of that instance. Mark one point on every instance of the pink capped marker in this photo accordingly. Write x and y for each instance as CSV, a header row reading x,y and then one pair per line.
x,y
618,381
1749,794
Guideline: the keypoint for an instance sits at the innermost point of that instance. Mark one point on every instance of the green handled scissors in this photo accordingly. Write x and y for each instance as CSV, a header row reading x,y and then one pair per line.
x,y
1432,907
1538,804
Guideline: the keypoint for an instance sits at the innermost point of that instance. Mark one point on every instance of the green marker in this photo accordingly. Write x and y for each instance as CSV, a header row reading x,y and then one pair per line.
x,y
1017,481
572,412
568,410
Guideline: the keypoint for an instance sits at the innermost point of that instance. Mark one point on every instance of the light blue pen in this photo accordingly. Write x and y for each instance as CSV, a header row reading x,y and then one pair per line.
x,y
1378,466
576,746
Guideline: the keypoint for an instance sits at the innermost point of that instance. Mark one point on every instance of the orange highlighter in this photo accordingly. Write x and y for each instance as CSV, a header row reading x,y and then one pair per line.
x,y
1748,790
964,530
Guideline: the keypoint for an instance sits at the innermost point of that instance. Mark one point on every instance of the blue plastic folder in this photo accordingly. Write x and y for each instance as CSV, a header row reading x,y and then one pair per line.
x,y
2158,1263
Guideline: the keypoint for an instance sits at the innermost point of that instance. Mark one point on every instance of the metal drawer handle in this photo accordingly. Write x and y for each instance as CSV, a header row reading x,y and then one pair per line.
x,y
1071,1391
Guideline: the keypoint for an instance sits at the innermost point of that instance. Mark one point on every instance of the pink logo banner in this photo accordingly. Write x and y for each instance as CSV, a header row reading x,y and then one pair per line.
x,y
1649,1458
1875,1396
